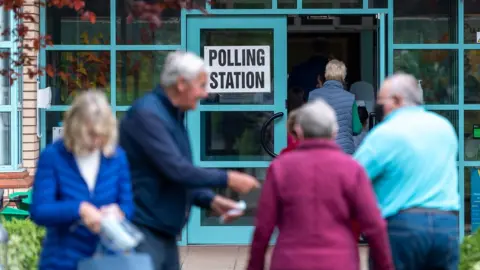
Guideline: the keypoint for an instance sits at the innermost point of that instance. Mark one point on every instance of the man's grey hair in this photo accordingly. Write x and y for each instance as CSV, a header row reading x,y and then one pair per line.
x,y
406,86
317,119
181,64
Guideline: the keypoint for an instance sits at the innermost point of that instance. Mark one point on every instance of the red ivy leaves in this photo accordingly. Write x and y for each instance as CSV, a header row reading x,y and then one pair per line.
x,y
138,10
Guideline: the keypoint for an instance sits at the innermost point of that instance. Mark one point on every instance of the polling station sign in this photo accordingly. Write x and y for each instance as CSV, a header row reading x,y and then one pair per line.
x,y
238,69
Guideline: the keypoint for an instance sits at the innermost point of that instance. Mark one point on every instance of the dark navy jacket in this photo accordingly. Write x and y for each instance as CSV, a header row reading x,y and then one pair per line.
x,y
59,189
342,102
165,181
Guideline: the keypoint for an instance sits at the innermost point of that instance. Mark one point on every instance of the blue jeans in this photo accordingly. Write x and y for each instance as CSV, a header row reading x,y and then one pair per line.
x,y
161,248
424,240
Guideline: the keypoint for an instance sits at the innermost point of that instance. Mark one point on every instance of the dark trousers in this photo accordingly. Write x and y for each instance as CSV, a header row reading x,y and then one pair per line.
x,y
162,249
424,240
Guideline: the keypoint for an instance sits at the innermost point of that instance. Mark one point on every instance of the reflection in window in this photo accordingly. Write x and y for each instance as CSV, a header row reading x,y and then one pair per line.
x,y
75,71
4,24
5,138
378,3
471,20
437,70
210,219
452,116
240,37
66,27
4,79
139,32
234,136
287,3
138,72
472,199
52,120
472,76
472,139
241,4
332,4
420,21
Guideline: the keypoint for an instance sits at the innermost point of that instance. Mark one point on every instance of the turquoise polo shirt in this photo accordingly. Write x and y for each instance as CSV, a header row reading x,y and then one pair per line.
x,y
410,158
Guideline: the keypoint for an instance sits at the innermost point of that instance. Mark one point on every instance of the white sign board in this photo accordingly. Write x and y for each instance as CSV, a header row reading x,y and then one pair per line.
x,y
57,133
478,37
238,69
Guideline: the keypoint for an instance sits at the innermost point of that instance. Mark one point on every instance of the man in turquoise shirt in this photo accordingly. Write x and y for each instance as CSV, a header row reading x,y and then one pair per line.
x,y
411,159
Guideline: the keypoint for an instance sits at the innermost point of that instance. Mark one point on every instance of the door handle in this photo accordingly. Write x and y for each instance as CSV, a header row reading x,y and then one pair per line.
x,y
263,133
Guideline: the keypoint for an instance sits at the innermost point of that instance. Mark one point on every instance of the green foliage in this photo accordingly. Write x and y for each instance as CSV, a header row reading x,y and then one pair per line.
x,y
24,245
470,253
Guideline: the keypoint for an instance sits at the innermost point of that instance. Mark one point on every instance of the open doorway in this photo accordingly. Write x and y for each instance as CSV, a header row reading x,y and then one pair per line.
x,y
352,39
355,40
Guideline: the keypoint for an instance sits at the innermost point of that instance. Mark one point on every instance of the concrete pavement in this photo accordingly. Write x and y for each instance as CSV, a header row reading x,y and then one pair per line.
x,y
227,257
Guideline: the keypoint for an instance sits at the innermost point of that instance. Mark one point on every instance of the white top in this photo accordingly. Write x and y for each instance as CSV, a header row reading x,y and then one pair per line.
x,y
89,166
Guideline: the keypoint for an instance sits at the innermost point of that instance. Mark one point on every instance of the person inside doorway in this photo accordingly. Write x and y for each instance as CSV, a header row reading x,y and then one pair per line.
x,y
305,75
342,101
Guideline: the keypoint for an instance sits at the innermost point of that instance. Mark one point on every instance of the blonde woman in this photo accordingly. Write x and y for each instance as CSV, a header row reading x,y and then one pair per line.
x,y
78,178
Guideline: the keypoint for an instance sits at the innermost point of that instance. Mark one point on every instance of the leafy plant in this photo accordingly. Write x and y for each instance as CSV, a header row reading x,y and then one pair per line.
x,y
24,245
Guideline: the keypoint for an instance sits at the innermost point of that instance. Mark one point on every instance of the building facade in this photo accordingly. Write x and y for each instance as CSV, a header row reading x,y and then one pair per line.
x,y
251,46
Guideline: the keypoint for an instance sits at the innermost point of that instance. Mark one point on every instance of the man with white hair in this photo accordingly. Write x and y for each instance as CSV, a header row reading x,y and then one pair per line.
x,y
410,158
165,182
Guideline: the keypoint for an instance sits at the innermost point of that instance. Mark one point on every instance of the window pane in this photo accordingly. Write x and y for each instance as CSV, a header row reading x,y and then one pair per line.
x,y
472,21
76,71
5,139
239,37
138,72
471,130
242,4
4,24
420,21
4,80
140,32
452,116
287,3
378,3
66,27
52,120
332,3
472,199
472,76
210,219
437,70
120,116
234,136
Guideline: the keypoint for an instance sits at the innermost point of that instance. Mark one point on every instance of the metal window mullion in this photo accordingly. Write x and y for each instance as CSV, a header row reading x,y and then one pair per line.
x,y
113,56
43,79
461,115
14,101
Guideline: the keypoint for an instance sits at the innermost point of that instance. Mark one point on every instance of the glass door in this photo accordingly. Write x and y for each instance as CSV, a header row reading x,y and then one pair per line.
x,y
381,57
242,124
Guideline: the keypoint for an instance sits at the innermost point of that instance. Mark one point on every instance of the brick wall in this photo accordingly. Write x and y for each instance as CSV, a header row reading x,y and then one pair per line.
x,y
18,181
31,143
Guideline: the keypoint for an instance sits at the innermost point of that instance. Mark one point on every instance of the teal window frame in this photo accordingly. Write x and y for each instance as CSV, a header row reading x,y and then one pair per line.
x,y
461,107
459,47
113,48
15,106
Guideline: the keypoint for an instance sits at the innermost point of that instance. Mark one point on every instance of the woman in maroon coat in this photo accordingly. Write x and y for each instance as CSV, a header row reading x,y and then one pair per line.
x,y
312,194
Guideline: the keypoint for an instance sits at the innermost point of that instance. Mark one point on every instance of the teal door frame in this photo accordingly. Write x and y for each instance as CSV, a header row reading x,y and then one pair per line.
x,y
241,235
198,234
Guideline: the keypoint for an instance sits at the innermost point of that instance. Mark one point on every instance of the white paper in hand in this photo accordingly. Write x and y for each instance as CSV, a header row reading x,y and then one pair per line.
x,y
241,206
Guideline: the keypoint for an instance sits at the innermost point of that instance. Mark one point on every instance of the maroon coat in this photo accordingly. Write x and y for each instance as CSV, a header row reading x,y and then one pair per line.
x,y
312,194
